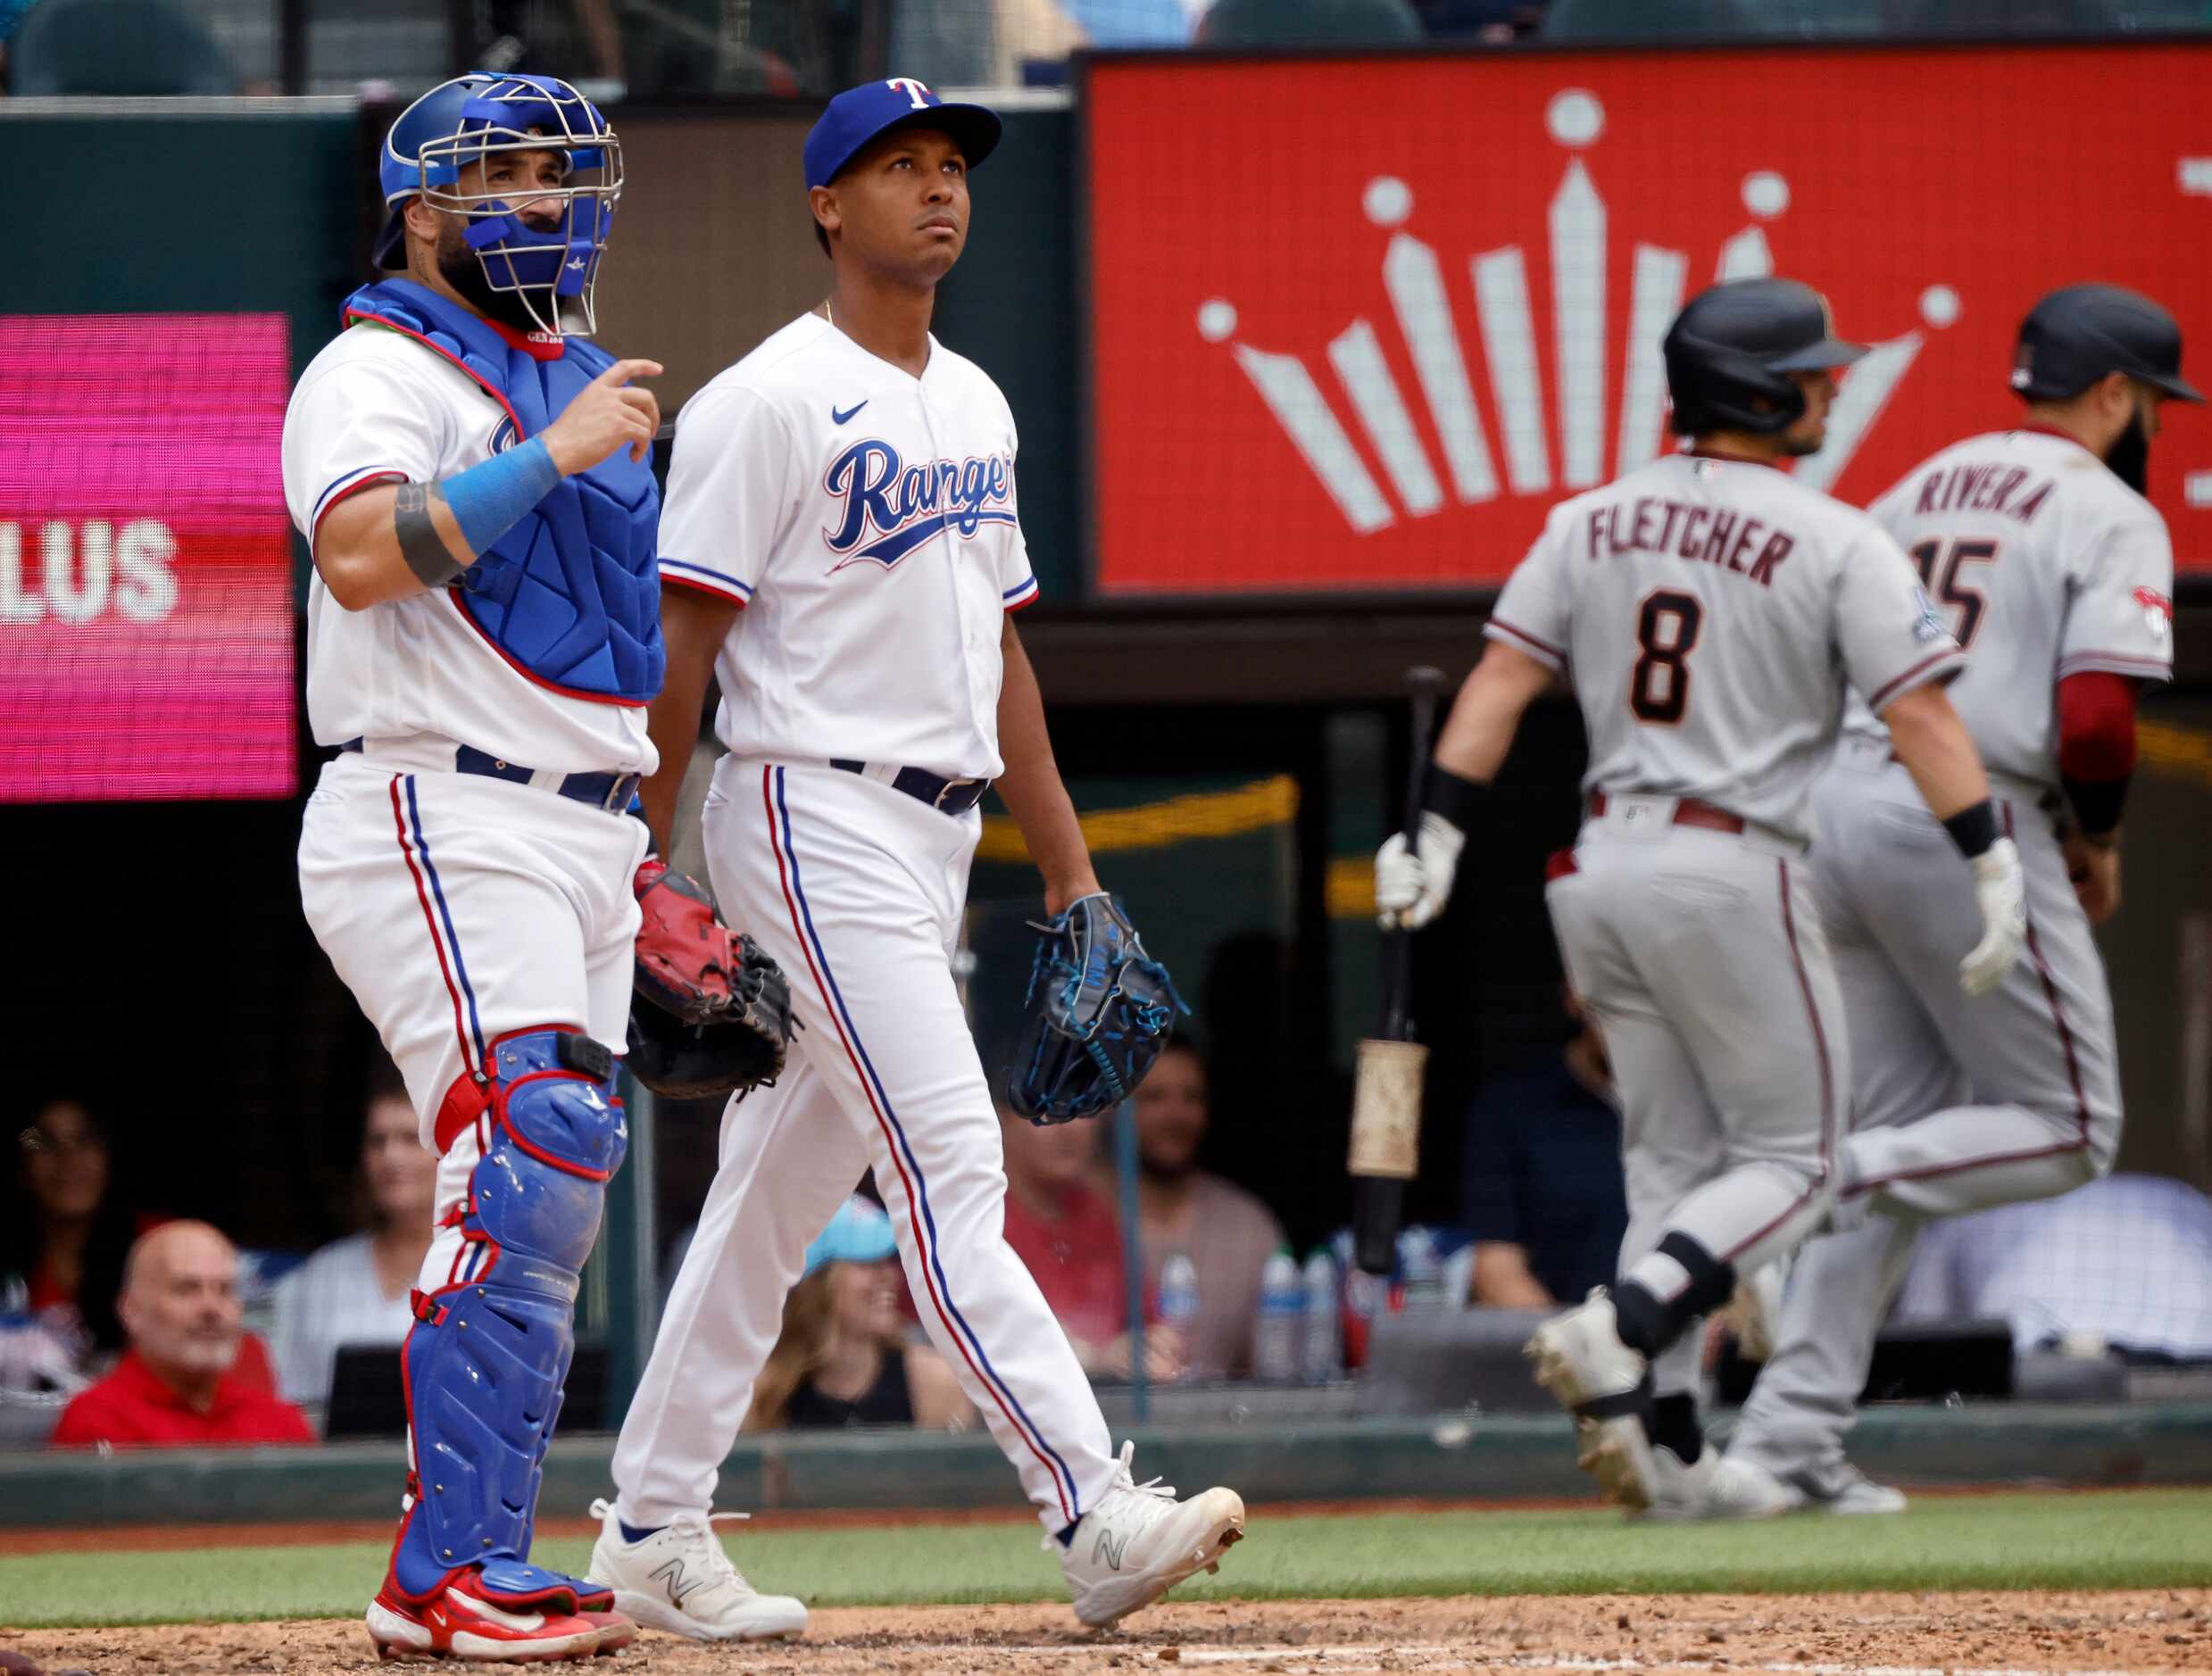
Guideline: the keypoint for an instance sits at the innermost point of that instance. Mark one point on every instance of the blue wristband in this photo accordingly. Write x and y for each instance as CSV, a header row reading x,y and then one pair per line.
x,y
489,500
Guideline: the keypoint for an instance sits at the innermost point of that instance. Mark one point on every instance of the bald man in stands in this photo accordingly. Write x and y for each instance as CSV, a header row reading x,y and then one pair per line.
x,y
176,1385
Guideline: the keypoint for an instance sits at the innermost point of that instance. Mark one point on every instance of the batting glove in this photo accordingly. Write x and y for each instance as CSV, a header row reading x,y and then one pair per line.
x,y
1412,884
2001,890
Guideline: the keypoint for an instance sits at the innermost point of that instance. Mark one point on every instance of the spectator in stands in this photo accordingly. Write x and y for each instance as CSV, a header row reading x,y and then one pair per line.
x,y
2124,1263
177,1384
1068,1235
1544,1198
356,1292
1184,1211
845,1358
65,1236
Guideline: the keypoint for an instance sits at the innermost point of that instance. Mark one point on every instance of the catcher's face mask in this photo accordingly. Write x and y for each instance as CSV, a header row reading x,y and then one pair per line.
x,y
537,240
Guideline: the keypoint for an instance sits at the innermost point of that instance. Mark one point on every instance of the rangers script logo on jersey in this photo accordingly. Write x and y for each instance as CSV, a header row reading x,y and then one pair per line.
x,y
904,506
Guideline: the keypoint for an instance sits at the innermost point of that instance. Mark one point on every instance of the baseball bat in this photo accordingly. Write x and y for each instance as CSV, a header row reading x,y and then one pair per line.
x,y
1386,1094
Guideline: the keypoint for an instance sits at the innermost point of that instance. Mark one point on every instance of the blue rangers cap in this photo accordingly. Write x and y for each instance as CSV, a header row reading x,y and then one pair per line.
x,y
859,115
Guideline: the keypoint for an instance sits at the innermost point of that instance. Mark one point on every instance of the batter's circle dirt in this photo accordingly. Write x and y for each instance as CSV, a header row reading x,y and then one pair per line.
x,y
2149,1631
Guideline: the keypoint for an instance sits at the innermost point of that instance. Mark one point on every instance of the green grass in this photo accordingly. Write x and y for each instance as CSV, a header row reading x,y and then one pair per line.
x,y
2149,1538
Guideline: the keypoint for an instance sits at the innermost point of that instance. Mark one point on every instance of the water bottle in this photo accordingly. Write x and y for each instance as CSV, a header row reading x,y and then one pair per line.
x,y
1275,1336
1365,1297
1320,1356
1420,1273
1178,1295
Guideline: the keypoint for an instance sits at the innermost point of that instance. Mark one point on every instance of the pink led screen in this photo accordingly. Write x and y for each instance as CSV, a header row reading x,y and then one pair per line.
x,y
145,588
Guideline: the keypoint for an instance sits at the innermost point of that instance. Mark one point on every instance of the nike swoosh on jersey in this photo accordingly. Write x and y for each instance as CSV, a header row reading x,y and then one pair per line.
x,y
839,418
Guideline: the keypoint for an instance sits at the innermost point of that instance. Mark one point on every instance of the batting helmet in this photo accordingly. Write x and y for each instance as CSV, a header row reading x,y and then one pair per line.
x,y
1731,351
471,119
2075,335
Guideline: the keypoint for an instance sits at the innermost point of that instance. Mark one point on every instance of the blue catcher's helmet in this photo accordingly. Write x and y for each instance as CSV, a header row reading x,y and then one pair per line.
x,y
474,117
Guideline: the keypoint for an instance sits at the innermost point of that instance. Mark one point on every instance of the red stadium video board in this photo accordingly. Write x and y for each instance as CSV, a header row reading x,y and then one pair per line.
x,y
1356,324
146,559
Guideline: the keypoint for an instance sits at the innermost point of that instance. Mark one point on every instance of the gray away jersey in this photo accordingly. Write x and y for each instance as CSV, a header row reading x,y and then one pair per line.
x,y
2046,565
1708,614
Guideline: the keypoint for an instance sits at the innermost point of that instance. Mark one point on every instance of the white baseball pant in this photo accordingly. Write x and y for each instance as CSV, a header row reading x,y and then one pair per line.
x,y
460,909
856,890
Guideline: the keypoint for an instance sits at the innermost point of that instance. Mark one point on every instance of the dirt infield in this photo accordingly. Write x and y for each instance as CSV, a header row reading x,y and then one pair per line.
x,y
1975,1634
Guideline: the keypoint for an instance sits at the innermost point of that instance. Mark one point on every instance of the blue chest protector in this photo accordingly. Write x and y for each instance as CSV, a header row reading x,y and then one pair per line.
x,y
571,595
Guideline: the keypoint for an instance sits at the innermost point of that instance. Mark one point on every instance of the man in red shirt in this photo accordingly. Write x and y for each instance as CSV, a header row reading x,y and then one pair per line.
x,y
1067,1236
178,1384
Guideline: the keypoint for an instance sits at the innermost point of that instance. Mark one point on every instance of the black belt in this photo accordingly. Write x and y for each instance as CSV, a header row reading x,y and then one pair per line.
x,y
953,797
609,792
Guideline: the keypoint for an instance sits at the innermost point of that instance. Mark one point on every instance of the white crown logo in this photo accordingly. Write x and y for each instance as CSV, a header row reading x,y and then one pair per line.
x,y
1413,276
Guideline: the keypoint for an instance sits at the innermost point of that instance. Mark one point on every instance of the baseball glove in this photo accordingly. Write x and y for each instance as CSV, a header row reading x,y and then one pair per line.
x,y
710,1013
1100,1010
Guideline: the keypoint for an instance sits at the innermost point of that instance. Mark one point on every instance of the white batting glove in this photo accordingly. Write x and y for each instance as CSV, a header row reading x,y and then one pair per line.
x,y
1412,884
2001,890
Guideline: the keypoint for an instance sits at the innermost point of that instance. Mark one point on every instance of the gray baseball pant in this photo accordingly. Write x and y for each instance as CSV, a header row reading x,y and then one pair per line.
x,y
1959,1103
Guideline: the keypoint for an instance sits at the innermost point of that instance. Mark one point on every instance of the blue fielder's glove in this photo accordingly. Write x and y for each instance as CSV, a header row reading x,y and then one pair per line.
x,y
1100,1010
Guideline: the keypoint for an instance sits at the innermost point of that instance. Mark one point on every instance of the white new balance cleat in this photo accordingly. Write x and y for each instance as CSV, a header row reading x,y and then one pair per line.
x,y
679,1579
1139,1543
1582,1362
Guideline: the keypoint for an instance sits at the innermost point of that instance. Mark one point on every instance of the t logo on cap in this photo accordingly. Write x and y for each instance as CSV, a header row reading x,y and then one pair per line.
x,y
860,116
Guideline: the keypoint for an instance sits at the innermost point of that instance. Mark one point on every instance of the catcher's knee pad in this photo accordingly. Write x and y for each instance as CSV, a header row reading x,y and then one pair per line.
x,y
487,1355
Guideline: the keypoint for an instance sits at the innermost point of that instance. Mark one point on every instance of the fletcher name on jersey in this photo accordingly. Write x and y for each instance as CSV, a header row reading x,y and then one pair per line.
x,y
1709,611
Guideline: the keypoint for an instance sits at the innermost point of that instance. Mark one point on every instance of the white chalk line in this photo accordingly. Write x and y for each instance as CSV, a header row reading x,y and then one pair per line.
x,y
1337,1660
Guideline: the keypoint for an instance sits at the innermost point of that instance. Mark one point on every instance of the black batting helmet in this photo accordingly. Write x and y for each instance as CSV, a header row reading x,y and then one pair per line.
x,y
1731,351
2075,335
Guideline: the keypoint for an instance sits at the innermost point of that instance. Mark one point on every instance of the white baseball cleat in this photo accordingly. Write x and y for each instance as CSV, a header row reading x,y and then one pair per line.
x,y
1681,1493
1744,1489
1849,1492
1582,1362
1139,1543
679,1579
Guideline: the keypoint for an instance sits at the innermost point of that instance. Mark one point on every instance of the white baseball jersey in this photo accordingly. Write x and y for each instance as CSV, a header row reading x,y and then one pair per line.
x,y
2048,566
866,521
1708,612
376,407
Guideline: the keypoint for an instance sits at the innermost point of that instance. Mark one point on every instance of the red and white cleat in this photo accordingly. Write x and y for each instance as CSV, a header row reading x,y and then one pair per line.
x,y
461,1623
615,1631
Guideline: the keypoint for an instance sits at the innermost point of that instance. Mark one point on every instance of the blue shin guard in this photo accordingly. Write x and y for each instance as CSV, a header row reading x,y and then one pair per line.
x,y
487,1355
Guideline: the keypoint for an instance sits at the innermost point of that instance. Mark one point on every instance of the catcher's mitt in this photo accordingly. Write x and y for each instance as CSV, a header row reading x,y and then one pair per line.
x,y
1100,1010
710,1012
